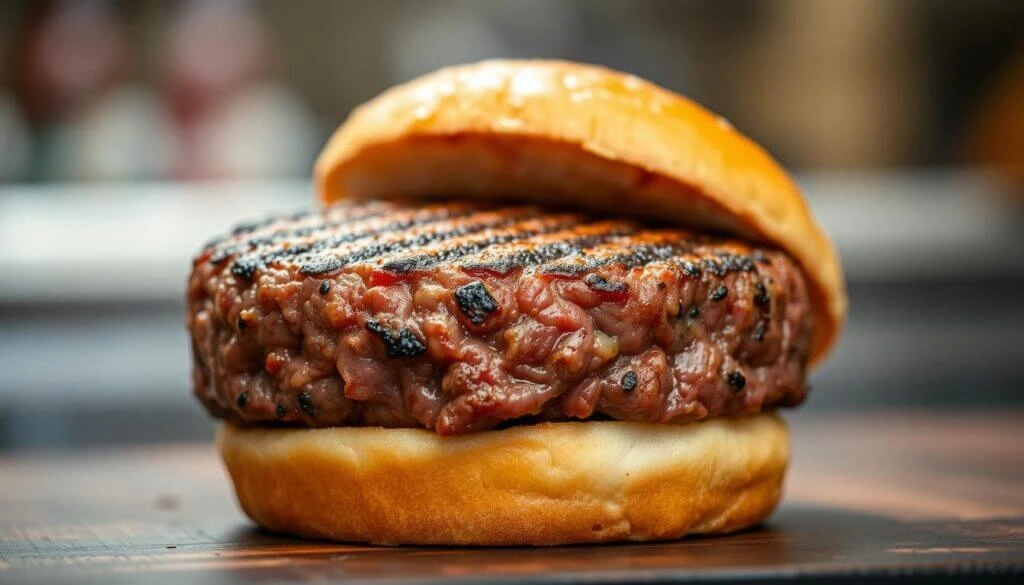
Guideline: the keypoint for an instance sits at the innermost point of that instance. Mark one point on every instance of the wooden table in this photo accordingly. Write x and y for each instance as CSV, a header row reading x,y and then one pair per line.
x,y
869,497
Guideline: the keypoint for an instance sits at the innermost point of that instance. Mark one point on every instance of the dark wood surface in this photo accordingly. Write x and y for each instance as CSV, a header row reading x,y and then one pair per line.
x,y
898,496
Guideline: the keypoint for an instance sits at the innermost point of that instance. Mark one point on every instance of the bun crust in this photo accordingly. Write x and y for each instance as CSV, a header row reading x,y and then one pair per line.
x,y
545,484
585,136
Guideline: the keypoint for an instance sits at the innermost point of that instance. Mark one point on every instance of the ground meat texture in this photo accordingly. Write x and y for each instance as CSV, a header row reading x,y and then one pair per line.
x,y
461,317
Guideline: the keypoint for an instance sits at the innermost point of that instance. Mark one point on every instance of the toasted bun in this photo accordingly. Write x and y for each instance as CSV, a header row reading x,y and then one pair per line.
x,y
585,136
551,483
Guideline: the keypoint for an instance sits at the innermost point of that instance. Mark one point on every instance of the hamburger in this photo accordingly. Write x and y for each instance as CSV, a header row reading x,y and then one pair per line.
x,y
540,303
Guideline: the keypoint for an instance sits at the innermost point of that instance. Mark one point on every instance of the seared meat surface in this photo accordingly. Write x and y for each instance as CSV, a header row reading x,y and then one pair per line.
x,y
460,316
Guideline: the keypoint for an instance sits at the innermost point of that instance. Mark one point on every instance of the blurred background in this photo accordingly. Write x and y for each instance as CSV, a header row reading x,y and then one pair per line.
x,y
131,132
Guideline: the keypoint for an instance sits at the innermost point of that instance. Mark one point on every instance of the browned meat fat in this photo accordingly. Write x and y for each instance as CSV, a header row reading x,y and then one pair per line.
x,y
459,317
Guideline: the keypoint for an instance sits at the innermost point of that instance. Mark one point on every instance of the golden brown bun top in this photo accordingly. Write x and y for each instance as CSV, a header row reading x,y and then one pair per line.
x,y
583,136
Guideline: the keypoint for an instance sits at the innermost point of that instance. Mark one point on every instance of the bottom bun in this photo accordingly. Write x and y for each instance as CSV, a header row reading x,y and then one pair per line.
x,y
544,484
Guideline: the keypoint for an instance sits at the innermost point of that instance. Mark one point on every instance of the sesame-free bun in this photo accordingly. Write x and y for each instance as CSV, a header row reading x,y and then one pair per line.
x,y
579,135
544,484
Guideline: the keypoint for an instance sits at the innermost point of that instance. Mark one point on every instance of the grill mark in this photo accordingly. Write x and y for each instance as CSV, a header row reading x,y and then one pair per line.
x,y
327,263
304,231
546,253
315,254
690,256
629,248
461,250
711,266
222,254
442,214
335,216
252,226
228,246
648,253
637,255
735,263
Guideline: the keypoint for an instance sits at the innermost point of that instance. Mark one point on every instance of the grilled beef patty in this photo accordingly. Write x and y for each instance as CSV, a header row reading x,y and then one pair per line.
x,y
459,317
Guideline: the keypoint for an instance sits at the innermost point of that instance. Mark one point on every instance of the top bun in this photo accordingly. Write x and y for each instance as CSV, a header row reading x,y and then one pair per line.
x,y
584,136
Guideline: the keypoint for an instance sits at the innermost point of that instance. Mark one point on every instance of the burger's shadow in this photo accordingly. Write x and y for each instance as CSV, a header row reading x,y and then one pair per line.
x,y
788,523
796,539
